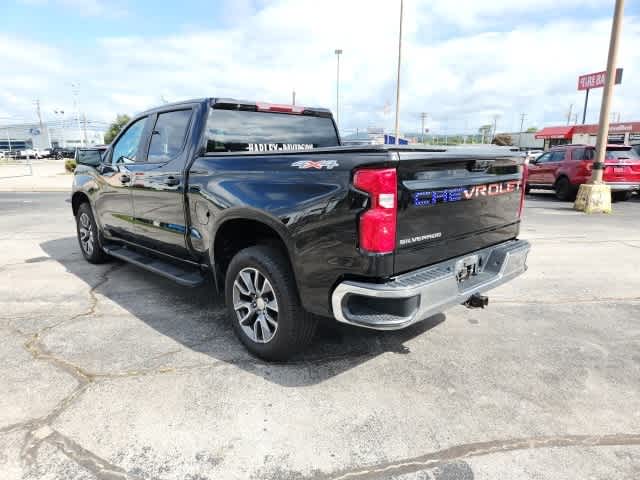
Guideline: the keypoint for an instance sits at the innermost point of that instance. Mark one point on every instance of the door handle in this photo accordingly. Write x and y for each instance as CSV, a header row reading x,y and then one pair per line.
x,y
124,178
172,181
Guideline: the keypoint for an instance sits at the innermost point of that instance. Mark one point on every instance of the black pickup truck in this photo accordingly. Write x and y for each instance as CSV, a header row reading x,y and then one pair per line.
x,y
291,226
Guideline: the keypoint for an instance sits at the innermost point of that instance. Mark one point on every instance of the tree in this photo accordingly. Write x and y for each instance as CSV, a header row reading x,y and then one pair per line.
x,y
115,127
502,139
532,129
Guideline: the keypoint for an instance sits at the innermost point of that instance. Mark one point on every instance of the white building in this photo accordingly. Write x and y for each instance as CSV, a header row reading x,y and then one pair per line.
x,y
21,136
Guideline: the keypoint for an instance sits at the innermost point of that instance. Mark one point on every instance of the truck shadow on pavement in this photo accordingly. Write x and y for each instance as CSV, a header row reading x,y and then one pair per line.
x,y
197,320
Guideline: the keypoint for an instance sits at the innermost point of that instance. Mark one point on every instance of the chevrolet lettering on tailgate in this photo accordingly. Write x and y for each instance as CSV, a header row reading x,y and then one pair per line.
x,y
447,195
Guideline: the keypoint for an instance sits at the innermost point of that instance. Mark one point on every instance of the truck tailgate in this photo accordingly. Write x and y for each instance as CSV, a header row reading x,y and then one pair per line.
x,y
452,203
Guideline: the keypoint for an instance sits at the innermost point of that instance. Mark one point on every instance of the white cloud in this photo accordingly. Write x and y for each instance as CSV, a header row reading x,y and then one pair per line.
x,y
86,8
461,78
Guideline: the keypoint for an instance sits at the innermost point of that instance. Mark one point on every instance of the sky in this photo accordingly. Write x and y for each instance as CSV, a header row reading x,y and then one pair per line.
x,y
463,61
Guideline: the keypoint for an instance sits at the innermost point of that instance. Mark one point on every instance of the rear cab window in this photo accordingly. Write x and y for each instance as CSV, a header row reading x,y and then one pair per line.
x,y
168,135
249,131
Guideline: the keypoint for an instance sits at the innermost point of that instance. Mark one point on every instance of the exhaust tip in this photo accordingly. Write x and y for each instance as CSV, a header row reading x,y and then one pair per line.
x,y
477,301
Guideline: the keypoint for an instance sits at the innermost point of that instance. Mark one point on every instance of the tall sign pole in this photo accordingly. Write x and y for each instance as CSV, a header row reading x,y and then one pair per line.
x,y
595,197
586,101
397,129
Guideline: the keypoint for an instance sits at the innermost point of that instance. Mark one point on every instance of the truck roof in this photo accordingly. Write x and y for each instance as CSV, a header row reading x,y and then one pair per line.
x,y
239,103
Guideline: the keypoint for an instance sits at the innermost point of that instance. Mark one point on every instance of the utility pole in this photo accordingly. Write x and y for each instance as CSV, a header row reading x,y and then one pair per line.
x,y
495,125
569,114
595,197
64,140
423,116
293,97
39,114
84,128
397,129
37,104
338,52
522,116
74,87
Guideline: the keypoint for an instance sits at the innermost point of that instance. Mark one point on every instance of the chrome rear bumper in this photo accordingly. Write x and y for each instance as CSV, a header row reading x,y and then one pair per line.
x,y
624,186
417,295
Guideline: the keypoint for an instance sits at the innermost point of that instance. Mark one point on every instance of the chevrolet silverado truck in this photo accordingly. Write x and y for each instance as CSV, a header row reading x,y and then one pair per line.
x,y
262,202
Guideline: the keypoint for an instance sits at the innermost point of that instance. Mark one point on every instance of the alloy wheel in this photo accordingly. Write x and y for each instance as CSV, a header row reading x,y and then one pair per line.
x,y
86,234
256,305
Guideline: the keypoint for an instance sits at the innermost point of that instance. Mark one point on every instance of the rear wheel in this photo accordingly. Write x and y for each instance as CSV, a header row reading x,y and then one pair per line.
x,y
88,235
620,196
264,306
564,189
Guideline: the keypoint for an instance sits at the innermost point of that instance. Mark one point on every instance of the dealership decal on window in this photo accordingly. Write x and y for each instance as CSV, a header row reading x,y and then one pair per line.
x,y
276,147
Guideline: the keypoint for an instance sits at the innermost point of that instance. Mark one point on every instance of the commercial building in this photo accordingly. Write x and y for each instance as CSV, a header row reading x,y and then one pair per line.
x,y
625,133
21,136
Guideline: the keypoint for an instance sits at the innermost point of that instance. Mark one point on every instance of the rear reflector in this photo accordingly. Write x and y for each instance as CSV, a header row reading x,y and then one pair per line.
x,y
378,222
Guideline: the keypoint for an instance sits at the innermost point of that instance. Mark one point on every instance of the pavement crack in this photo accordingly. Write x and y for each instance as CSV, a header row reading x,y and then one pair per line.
x,y
98,466
477,449
93,300
39,429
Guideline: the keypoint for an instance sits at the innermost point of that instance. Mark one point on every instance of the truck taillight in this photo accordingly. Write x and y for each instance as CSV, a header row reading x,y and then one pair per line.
x,y
378,222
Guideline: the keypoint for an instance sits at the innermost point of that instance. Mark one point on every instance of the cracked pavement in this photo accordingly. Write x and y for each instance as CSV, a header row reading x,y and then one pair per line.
x,y
108,372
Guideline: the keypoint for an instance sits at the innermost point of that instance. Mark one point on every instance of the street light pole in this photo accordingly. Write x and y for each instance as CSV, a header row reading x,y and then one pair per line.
x,y
397,129
338,52
603,128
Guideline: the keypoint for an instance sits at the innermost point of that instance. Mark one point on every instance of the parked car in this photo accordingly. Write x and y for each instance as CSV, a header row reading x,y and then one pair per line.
x,y
59,153
43,153
564,168
292,226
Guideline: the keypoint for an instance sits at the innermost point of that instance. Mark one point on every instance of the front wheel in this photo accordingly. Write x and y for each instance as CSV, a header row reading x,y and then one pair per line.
x,y
264,306
88,235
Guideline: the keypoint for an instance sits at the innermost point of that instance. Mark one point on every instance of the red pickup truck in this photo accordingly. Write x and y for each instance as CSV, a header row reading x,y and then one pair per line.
x,y
564,168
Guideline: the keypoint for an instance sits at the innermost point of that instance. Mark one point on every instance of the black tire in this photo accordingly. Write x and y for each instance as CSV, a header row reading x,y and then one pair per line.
x,y
59,156
620,196
564,190
294,327
89,236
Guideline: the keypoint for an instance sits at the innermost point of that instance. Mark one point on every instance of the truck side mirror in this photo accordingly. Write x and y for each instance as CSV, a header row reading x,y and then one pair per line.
x,y
91,157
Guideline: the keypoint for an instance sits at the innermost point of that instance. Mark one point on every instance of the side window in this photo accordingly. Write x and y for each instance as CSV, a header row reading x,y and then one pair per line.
x,y
126,148
578,154
544,158
167,138
557,156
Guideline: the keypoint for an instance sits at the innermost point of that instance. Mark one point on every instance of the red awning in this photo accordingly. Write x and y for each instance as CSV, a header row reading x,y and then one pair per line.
x,y
555,132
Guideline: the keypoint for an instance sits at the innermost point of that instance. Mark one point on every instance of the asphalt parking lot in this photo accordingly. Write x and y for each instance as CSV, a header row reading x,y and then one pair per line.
x,y
107,372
